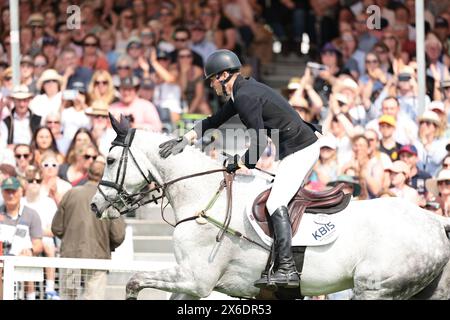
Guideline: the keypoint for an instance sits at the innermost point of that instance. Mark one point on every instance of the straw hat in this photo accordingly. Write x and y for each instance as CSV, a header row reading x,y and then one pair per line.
x,y
98,108
346,83
432,184
21,92
47,75
431,116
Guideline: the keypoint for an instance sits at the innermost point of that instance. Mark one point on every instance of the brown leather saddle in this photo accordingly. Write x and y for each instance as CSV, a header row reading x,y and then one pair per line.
x,y
326,202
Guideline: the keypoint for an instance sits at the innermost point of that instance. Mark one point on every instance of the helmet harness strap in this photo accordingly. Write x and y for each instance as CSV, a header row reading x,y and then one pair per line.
x,y
224,82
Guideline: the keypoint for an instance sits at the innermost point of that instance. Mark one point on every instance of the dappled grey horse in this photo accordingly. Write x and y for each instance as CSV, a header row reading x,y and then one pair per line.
x,y
387,248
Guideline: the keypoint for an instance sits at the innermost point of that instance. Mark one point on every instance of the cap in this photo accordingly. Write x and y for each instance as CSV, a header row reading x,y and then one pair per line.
x,y
147,84
129,82
400,167
436,106
390,120
432,184
328,141
27,59
344,178
445,83
11,183
98,108
36,19
329,47
79,86
162,54
49,40
134,40
408,148
21,92
431,116
440,22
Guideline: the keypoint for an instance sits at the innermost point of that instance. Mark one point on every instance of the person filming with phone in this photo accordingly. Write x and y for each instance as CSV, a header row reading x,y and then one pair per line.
x,y
331,59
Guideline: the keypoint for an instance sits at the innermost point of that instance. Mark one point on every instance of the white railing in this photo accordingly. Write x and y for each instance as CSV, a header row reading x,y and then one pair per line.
x,y
17,268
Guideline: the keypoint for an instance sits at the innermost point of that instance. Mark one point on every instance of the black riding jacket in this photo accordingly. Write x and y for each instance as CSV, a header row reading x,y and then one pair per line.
x,y
259,107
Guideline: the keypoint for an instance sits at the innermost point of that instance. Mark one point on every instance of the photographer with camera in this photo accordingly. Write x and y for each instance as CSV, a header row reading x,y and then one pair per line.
x,y
326,74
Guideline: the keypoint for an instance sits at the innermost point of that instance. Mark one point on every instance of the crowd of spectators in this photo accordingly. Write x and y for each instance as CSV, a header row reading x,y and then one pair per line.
x,y
144,59
363,89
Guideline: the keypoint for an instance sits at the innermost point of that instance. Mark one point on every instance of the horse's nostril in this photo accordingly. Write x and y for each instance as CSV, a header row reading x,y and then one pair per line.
x,y
94,209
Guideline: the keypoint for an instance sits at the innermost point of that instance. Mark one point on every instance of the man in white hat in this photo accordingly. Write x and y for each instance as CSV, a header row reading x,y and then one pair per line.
x,y
21,124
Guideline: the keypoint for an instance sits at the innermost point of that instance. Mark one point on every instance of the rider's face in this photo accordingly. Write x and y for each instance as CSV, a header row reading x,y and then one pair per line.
x,y
215,83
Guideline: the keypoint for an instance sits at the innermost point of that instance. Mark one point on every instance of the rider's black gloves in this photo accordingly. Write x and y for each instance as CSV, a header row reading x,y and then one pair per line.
x,y
233,164
173,146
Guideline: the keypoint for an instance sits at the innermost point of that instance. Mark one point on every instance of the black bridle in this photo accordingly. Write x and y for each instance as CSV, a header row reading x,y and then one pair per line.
x,y
131,201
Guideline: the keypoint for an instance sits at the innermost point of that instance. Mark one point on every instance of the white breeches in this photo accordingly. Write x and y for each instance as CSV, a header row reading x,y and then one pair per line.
x,y
291,172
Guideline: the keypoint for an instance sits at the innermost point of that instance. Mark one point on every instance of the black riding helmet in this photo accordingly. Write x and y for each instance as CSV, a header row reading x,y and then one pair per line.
x,y
220,61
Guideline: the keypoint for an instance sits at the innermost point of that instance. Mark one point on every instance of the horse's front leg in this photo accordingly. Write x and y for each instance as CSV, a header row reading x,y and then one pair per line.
x,y
177,279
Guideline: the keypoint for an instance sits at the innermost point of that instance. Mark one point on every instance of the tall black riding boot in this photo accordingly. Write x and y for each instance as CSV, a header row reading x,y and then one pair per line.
x,y
286,276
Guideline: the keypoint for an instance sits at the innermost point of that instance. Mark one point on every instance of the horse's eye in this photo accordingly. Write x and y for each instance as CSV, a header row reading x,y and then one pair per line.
x,y
110,161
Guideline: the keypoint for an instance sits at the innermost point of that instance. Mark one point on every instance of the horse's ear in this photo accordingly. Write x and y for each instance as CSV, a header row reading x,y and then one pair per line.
x,y
124,123
114,122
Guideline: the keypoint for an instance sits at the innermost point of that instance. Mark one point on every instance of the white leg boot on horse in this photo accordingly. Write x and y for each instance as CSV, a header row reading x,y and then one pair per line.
x,y
286,275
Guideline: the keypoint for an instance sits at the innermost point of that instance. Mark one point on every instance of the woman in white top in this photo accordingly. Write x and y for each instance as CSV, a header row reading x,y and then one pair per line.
x,y
73,117
52,186
50,99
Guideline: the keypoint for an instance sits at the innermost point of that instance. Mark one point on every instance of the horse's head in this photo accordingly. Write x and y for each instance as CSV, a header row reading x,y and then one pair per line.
x,y
127,175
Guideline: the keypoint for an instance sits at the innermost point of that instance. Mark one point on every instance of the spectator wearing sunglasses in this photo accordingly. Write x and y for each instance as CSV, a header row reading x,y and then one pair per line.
x,y
76,173
50,50
40,64
46,209
52,185
101,88
53,121
440,189
101,129
123,69
24,158
91,58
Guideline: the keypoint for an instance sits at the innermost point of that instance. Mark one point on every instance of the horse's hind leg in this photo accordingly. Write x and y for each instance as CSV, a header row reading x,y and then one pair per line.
x,y
373,285
176,279
438,289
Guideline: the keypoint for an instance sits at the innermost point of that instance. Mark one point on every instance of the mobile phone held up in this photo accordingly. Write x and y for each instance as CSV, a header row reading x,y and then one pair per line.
x,y
69,94
316,67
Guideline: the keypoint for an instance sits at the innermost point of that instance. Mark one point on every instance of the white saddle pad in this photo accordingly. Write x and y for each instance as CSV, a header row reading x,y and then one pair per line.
x,y
314,229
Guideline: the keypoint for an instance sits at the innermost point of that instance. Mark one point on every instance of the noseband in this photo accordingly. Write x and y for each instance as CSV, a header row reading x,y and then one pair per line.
x,y
131,201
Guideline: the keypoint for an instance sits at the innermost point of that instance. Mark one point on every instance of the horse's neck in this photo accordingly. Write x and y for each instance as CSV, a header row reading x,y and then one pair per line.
x,y
191,192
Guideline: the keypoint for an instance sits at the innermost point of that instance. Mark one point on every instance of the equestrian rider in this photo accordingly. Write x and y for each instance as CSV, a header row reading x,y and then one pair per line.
x,y
264,110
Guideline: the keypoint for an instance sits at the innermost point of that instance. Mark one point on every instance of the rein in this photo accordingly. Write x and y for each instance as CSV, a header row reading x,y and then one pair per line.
x,y
134,200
